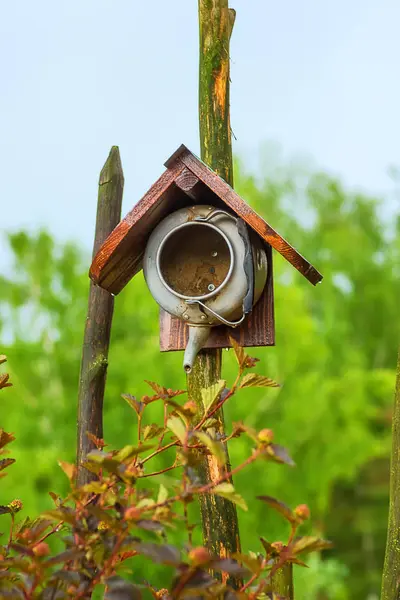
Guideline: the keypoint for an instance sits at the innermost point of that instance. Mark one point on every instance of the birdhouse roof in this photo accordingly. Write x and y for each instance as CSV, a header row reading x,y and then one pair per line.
x,y
186,181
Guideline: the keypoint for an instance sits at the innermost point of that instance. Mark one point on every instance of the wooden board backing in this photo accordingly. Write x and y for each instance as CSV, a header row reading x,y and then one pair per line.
x,y
257,330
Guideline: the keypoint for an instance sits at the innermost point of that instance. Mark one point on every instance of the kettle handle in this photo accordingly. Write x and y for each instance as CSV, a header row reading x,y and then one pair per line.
x,y
216,315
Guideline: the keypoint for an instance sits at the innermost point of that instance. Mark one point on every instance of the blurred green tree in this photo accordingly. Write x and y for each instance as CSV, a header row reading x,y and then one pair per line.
x,y
335,356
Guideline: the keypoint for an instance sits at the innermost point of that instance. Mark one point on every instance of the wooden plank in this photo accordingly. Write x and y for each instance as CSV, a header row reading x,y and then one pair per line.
x,y
257,223
187,182
257,330
120,257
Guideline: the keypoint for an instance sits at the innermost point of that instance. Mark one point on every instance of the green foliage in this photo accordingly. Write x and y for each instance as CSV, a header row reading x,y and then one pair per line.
x,y
103,524
335,357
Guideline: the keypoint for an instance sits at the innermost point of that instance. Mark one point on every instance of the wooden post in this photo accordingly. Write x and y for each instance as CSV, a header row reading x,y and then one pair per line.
x,y
391,569
219,517
282,582
94,361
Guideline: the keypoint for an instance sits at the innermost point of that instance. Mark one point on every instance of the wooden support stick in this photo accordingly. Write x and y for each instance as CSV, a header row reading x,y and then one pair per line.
x,y
219,517
94,361
282,582
391,569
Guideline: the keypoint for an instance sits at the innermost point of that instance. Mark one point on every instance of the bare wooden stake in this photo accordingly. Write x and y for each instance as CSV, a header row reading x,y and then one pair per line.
x,y
96,341
219,517
391,569
282,582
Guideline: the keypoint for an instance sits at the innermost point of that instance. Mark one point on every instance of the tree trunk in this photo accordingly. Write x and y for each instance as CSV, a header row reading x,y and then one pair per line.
x,y
391,569
94,361
219,517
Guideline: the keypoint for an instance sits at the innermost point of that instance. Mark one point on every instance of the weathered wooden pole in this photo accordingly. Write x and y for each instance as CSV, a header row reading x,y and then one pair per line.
x,y
282,582
219,517
391,569
96,341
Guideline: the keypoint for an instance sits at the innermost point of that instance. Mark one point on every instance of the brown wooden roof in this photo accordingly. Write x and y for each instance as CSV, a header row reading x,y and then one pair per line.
x,y
187,180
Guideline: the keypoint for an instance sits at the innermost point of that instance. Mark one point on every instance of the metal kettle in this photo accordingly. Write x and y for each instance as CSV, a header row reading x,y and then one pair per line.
x,y
204,266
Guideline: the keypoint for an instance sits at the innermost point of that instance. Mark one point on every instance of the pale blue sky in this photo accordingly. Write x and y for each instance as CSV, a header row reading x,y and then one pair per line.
x,y
320,77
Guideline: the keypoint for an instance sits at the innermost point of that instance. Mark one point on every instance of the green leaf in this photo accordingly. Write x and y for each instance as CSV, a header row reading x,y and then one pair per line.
x,y
211,394
210,423
60,514
175,425
97,456
216,448
226,490
130,451
162,494
255,380
94,487
252,562
151,431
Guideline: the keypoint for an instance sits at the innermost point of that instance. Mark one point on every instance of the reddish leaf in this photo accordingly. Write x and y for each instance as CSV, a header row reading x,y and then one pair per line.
x,y
98,442
238,350
55,497
297,561
279,454
69,469
269,549
149,525
163,392
133,403
280,507
244,360
6,462
159,389
5,438
22,549
228,565
65,557
4,381
254,380
310,544
160,553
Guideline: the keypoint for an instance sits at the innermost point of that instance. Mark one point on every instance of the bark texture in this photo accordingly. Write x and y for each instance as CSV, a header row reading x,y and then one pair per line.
x,y
219,517
282,582
96,341
391,569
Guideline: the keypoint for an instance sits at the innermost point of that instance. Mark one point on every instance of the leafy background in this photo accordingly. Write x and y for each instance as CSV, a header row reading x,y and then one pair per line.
x,y
335,357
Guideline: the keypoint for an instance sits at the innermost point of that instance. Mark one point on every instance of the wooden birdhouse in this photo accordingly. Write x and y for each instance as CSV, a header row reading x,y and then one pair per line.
x,y
206,256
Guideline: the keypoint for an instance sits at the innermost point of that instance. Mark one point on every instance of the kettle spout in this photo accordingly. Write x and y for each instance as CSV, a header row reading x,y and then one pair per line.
x,y
198,336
